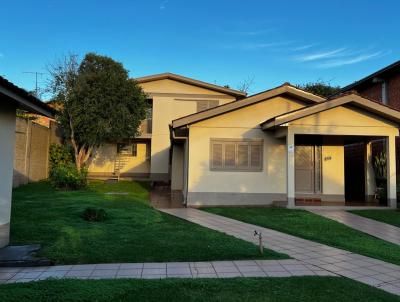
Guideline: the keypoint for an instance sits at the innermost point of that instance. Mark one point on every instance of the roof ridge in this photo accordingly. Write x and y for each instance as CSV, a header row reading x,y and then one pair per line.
x,y
191,81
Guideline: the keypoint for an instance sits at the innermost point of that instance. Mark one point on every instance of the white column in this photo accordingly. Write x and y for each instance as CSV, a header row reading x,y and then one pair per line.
x,y
370,186
290,183
391,171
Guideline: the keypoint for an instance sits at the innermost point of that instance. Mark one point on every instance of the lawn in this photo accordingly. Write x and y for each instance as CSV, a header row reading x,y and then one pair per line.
x,y
387,216
310,226
239,289
132,232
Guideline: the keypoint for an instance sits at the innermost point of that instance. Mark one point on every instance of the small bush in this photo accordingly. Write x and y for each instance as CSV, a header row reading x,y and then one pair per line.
x,y
93,214
67,177
60,155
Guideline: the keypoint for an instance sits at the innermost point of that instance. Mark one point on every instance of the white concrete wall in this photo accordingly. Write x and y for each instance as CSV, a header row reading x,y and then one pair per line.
x,y
7,140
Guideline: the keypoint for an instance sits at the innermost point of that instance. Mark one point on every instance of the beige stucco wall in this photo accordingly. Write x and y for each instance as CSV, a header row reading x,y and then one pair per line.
x,y
166,108
255,187
221,188
171,86
171,100
177,167
344,121
104,159
7,139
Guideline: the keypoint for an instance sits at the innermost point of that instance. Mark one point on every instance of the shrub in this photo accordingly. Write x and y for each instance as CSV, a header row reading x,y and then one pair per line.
x,y
66,176
93,214
60,155
63,171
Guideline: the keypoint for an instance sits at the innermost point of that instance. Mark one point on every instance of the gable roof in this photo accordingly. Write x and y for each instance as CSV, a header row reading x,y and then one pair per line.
x,y
350,98
380,73
285,89
23,99
190,81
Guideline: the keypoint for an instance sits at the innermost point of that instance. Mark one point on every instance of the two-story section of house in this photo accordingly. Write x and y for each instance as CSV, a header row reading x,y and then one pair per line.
x,y
382,86
149,155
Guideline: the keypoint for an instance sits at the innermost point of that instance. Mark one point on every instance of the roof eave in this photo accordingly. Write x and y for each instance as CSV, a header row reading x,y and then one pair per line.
x,y
37,107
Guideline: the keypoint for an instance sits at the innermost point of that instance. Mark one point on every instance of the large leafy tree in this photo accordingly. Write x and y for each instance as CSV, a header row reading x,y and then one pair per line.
x,y
98,102
320,88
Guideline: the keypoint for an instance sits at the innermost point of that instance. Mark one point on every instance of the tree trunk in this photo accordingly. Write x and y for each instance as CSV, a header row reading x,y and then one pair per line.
x,y
82,155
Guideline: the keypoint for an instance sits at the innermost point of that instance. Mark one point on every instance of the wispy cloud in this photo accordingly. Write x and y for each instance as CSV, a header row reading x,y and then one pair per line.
x,y
252,33
1,55
261,45
321,55
353,60
163,4
303,47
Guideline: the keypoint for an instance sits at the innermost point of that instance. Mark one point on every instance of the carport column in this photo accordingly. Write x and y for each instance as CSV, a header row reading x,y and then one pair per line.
x,y
290,169
391,171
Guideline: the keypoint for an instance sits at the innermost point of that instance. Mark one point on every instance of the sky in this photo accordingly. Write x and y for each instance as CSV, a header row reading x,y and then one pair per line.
x,y
224,42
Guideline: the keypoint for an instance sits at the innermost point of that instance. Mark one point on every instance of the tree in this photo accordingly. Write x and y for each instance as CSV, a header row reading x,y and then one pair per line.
x,y
245,85
98,102
321,88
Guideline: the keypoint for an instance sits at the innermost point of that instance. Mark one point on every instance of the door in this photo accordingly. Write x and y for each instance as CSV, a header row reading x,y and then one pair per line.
x,y
308,169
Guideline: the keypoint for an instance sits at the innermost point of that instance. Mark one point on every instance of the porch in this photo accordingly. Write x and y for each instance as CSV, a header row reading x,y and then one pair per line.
x,y
320,167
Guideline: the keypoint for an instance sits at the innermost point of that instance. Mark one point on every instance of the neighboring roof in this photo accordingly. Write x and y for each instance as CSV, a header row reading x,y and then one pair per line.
x,y
380,73
185,80
23,99
285,89
349,98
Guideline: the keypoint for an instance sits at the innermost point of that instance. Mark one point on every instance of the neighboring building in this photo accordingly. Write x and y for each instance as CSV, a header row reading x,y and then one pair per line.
x,y
283,146
149,156
382,86
11,98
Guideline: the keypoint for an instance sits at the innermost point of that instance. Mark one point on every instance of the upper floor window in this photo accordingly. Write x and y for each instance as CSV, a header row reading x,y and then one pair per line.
x,y
236,155
206,104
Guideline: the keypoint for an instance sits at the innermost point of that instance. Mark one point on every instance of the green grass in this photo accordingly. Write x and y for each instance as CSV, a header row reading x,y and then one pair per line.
x,y
133,231
310,226
387,216
298,289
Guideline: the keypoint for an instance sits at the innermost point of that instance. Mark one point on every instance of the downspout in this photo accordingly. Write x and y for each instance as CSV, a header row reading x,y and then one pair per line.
x,y
186,162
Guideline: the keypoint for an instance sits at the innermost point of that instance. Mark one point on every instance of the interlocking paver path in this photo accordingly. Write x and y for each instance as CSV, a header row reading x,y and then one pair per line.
x,y
364,269
157,270
372,227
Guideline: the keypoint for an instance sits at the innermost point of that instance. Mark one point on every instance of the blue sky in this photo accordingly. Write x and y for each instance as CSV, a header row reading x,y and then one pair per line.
x,y
222,42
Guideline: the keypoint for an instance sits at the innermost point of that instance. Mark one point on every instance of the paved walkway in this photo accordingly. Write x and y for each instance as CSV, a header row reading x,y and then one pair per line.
x,y
361,268
213,269
372,227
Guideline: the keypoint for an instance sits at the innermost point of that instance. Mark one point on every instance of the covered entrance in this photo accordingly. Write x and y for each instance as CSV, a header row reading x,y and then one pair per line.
x,y
319,168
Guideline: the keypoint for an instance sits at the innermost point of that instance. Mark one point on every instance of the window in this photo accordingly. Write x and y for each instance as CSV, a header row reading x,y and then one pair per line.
x,y
236,154
205,104
127,149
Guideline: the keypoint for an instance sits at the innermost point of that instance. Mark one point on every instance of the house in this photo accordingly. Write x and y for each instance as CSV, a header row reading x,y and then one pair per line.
x,y
281,146
11,98
382,86
149,155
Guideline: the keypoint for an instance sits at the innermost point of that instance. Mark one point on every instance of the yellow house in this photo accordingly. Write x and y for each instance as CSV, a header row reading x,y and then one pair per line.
x,y
148,156
282,146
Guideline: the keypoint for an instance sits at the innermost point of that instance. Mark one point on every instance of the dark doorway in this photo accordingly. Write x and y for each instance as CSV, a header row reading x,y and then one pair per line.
x,y
354,172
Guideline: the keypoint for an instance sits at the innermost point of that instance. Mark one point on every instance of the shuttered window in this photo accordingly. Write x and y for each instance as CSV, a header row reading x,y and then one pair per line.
x,y
206,104
236,155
